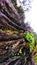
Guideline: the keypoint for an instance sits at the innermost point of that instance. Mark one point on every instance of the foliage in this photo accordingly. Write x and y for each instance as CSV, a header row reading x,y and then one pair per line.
x,y
30,40
29,37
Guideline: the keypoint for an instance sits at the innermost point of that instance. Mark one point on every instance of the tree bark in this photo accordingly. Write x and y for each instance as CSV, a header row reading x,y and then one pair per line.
x,y
9,19
8,15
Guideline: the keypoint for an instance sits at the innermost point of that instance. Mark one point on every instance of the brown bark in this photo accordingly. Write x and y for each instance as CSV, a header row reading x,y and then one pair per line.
x,y
8,15
10,43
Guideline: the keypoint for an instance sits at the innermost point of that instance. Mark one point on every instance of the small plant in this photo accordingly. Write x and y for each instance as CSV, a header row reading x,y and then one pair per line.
x,y
30,40
29,37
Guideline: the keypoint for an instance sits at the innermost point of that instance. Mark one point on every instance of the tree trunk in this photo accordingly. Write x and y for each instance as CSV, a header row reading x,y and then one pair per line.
x,y
9,19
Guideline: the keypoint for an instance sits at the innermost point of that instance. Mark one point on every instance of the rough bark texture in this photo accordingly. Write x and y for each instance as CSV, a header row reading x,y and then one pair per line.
x,y
9,18
10,43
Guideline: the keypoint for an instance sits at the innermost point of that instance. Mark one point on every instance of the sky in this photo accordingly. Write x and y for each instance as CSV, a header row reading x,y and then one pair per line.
x,y
31,15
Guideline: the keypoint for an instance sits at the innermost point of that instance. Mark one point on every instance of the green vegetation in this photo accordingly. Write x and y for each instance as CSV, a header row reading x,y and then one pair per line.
x,y
19,52
36,42
31,44
35,58
30,40
29,37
